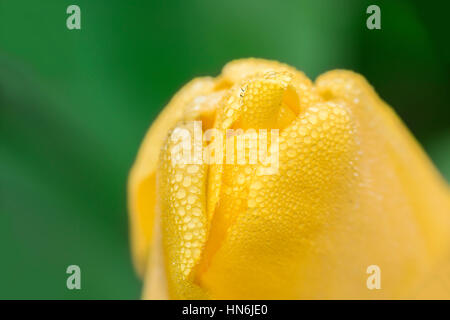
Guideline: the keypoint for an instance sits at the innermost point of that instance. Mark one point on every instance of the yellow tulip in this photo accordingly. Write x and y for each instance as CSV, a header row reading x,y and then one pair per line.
x,y
353,189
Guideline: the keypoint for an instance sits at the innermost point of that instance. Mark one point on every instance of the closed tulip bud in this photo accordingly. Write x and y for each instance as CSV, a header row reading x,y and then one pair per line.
x,y
344,186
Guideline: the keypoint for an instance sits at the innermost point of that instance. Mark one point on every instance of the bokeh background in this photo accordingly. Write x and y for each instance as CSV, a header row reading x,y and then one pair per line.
x,y
74,106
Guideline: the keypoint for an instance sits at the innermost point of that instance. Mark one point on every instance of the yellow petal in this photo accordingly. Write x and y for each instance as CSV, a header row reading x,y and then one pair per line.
x,y
285,211
182,201
142,179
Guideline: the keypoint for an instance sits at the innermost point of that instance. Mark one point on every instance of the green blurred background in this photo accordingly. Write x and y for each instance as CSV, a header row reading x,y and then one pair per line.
x,y
74,106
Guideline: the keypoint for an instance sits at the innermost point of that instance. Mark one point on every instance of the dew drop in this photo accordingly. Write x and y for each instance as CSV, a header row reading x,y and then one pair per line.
x,y
291,153
323,115
312,119
196,212
192,169
302,131
187,181
241,179
181,212
181,194
256,185
191,199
